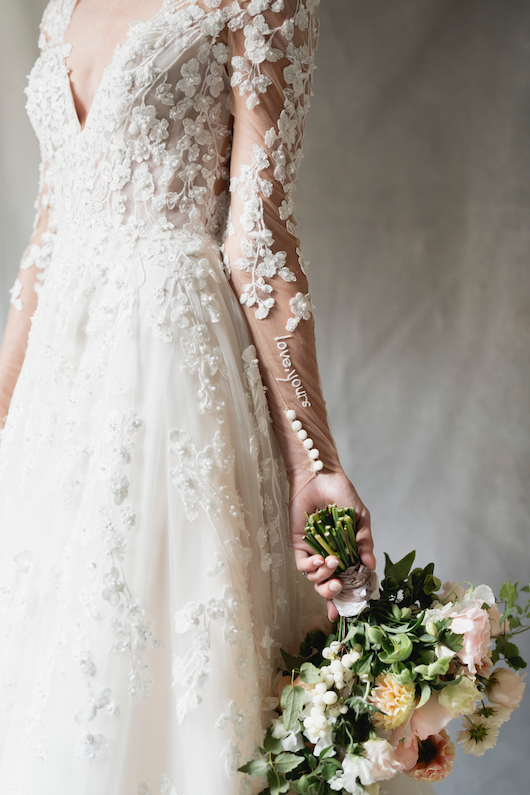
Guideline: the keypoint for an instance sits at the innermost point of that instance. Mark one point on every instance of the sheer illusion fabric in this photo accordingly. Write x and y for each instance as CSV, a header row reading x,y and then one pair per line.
x,y
146,580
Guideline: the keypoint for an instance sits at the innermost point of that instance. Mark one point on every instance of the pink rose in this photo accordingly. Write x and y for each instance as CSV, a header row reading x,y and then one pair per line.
x,y
506,688
429,719
436,759
474,624
495,618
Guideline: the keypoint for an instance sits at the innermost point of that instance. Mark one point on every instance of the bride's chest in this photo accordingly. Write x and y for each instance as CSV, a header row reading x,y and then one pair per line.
x,y
174,63
95,29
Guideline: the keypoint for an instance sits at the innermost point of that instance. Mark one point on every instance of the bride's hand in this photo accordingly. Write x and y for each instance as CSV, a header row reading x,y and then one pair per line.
x,y
325,489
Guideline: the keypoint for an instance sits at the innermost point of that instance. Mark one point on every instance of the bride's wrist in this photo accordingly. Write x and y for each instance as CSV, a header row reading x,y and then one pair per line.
x,y
300,475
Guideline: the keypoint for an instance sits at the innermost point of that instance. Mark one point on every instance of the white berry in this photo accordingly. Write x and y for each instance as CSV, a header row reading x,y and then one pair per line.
x,y
330,697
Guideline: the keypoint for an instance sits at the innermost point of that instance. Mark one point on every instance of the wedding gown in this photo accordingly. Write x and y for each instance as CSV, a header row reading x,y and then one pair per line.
x,y
146,580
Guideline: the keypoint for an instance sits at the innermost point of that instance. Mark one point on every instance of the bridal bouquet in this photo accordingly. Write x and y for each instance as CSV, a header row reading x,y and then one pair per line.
x,y
408,656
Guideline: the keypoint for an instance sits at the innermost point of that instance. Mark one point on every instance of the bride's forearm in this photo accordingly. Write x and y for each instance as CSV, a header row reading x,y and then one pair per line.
x,y
14,344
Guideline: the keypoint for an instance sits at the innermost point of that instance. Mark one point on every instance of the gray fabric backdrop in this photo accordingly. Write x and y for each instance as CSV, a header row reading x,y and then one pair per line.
x,y
414,206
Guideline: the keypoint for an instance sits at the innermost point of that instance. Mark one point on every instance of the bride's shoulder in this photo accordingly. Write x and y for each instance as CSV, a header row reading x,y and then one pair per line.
x,y
53,22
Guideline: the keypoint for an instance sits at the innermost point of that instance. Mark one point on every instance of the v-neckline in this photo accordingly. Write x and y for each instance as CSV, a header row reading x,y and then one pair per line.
x,y
67,47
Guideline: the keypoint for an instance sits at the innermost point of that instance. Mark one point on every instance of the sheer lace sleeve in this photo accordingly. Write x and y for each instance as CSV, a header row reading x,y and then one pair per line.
x,y
271,66
24,294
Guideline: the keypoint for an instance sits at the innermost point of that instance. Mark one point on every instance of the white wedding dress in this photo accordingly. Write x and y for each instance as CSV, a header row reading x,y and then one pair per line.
x,y
146,579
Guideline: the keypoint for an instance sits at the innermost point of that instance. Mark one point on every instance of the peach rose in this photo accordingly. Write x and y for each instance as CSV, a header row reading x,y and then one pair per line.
x,y
406,751
495,626
452,591
506,688
474,624
394,700
429,719
436,759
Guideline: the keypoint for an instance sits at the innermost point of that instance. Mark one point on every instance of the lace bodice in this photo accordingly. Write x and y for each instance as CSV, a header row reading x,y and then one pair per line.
x,y
196,128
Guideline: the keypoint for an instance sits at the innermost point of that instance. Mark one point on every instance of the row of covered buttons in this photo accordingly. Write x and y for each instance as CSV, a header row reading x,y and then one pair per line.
x,y
308,443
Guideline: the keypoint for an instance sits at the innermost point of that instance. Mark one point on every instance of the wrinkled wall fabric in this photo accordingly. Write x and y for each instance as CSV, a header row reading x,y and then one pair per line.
x,y
414,207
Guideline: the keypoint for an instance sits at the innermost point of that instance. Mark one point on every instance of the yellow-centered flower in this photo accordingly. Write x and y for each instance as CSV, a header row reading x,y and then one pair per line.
x,y
393,699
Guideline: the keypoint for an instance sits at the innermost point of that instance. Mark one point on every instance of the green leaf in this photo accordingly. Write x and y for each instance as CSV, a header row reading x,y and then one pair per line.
x,y
506,648
258,767
271,744
301,787
356,630
327,752
431,584
526,588
403,673
291,663
364,665
309,673
516,662
402,648
328,768
425,695
277,784
292,702
286,762
509,593
399,571
451,640
434,669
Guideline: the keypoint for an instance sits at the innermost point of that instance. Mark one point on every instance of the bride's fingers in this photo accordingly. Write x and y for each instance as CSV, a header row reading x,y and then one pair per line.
x,y
329,589
325,571
307,563
365,543
333,613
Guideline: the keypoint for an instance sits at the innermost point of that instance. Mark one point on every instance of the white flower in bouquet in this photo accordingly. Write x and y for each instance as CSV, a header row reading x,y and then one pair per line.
x,y
382,756
478,734
354,767
290,740
496,714
460,699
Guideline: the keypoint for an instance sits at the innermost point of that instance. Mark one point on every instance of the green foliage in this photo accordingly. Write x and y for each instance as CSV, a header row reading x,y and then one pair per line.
x,y
292,701
292,663
509,651
271,744
390,636
286,762
277,783
258,767
396,649
309,673
509,593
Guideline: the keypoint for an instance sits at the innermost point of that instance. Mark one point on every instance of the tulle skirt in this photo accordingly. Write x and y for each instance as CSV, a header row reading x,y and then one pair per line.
x,y
147,582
